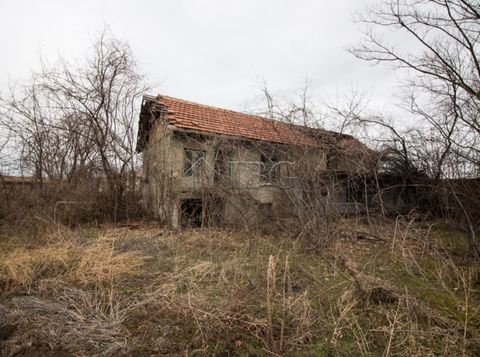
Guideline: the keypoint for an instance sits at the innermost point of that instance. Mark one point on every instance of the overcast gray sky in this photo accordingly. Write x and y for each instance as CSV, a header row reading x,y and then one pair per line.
x,y
216,52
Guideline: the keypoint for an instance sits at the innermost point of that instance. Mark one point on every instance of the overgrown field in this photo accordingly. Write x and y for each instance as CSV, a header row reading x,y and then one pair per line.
x,y
388,288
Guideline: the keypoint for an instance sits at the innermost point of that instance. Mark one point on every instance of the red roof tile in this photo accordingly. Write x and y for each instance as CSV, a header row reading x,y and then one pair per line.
x,y
188,115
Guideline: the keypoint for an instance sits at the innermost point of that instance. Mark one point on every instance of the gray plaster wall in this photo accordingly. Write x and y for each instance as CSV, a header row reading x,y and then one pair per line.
x,y
246,201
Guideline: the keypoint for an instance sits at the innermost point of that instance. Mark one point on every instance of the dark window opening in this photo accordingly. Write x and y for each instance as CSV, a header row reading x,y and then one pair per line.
x,y
357,191
269,170
223,169
191,212
194,162
331,160
354,194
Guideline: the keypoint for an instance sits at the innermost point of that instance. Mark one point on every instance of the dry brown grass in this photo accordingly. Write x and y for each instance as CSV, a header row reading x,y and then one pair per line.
x,y
211,292
65,262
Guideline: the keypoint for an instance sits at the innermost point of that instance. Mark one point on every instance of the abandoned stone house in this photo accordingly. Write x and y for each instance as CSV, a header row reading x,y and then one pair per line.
x,y
206,165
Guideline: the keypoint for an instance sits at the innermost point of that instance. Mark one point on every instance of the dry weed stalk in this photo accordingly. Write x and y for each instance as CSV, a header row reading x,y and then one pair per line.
x,y
271,276
345,305
289,318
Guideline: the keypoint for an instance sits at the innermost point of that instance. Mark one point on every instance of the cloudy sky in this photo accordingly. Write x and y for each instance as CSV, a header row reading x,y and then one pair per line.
x,y
216,52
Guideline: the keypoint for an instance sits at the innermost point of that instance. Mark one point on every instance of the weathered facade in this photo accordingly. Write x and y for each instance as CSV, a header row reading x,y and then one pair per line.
x,y
209,165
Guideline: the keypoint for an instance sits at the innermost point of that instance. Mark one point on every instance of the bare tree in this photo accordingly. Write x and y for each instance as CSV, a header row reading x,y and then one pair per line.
x,y
73,123
442,89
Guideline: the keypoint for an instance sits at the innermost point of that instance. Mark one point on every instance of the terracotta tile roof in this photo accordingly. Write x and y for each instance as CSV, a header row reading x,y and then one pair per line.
x,y
186,115
193,116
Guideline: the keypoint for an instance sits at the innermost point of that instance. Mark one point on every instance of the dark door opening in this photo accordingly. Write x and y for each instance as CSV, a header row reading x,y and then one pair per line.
x,y
197,212
191,212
